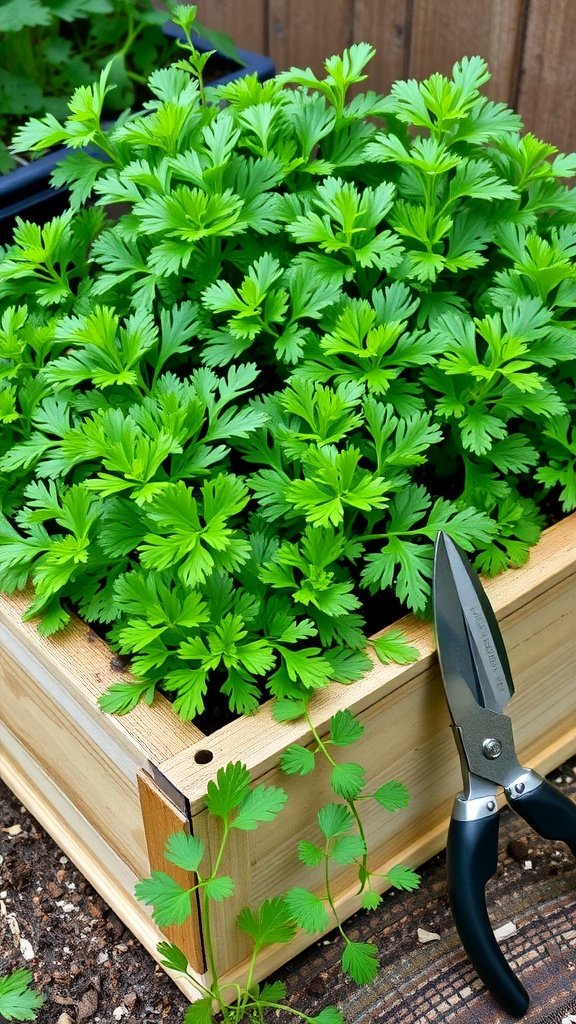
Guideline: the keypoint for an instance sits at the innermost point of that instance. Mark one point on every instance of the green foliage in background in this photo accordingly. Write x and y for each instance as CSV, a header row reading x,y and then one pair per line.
x,y
48,48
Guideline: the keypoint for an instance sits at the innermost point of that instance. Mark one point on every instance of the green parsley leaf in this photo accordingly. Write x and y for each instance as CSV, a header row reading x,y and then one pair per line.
x,y
270,923
232,786
199,1012
393,646
308,910
219,888
172,903
345,729
360,961
403,878
371,900
185,851
334,820
347,780
172,957
392,796
263,803
18,1001
329,1015
297,760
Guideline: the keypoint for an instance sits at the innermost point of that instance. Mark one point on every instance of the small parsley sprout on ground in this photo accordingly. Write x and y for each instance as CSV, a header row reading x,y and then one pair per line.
x,y
18,1000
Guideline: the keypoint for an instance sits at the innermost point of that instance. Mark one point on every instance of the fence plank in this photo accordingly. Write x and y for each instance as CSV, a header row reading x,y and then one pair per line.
x,y
246,22
304,32
548,77
443,31
385,24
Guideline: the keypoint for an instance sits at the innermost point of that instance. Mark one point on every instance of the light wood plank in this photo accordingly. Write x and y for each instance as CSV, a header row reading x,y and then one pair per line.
x,y
443,31
385,24
303,33
161,819
548,78
75,751
83,665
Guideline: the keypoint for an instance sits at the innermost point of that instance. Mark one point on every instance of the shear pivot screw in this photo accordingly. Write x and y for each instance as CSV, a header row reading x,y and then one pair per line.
x,y
491,805
519,787
491,749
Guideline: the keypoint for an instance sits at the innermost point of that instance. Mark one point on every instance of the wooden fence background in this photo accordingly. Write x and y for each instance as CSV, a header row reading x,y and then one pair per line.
x,y
529,44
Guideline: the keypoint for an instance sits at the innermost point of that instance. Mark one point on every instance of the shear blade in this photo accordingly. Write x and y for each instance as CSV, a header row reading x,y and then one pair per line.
x,y
472,655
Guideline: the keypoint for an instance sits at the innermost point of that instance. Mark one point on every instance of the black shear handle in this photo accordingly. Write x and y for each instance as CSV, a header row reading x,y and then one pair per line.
x,y
549,812
471,859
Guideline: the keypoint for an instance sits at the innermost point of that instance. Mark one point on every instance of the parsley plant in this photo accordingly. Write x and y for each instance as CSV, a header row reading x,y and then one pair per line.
x,y
343,839
238,806
231,800
318,330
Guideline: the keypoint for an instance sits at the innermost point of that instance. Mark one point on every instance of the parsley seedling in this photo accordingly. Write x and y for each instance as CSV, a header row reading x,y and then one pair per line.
x,y
18,1001
231,800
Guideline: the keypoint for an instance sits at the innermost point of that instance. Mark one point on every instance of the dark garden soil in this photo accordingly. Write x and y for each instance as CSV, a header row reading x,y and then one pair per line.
x,y
84,960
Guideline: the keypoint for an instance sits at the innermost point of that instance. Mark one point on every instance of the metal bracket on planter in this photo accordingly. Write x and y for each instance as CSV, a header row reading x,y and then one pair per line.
x,y
171,792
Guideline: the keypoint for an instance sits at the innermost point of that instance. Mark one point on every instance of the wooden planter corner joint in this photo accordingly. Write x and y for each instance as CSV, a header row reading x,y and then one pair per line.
x,y
110,790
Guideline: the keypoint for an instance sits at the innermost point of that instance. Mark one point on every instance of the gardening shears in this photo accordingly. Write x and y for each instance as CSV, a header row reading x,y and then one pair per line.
x,y
478,685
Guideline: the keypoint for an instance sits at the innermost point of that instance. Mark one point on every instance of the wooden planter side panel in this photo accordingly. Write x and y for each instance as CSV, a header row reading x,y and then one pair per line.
x,y
77,753
538,637
81,665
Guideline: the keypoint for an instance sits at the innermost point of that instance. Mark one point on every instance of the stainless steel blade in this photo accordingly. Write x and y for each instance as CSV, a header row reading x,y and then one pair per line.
x,y
470,646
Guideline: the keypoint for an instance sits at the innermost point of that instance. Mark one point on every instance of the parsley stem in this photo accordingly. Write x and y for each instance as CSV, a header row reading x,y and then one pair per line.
x,y
321,745
209,945
286,1009
329,896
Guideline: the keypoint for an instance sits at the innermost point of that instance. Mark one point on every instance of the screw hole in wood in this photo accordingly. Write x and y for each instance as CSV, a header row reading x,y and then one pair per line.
x,y
203,756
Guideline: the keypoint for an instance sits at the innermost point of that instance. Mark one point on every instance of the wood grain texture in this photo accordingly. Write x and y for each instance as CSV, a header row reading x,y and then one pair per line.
x,y
548,72
443,31
245,22
80,756
385,24
305,34
161,819
84,666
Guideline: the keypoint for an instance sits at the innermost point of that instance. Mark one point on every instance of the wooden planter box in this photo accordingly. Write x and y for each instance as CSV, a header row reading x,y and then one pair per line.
x,y
111,789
